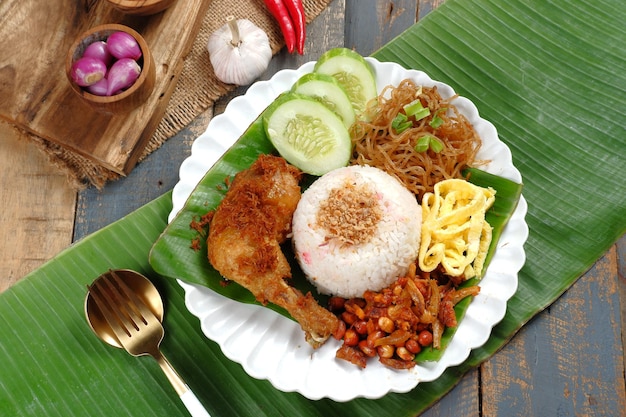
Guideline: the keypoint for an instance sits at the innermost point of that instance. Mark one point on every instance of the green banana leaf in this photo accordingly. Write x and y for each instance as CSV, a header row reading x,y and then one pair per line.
x,y
547,74
172,255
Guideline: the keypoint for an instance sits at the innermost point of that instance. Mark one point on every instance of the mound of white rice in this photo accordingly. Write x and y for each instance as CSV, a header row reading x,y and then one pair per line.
x,y
356,228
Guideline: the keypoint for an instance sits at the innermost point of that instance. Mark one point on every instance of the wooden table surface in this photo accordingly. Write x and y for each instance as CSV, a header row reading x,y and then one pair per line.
x,y
569,360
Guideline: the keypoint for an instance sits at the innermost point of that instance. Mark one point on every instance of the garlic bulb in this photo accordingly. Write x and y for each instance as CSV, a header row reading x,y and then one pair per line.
x,y
239,51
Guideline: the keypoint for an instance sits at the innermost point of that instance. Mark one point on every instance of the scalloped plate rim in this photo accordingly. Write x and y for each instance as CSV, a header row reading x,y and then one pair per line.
x,y
205,153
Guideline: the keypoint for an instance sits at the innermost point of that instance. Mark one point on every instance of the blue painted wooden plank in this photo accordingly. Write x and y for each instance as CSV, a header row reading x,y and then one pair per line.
x,y
463,400
568,361
370,24
621,270
427,6
154,176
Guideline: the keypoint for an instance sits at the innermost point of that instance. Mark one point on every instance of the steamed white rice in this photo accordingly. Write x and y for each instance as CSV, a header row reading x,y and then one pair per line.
x,y
356,228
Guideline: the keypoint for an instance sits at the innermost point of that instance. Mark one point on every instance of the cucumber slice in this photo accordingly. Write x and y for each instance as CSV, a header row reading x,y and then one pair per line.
x,y
353,73
327,90
307,134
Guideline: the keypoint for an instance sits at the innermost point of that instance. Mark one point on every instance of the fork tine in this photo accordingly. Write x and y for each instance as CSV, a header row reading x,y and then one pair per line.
x,y
136,302
129,315
110,313
126,309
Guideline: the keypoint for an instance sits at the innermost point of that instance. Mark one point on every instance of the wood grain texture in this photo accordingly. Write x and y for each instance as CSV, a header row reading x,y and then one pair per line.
x,y
569,360
374,23
141,7
37,208
462,400
35,93
427,6
621,283
155,175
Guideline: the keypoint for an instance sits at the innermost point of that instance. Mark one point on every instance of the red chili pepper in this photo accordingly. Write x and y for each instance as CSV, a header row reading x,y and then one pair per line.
x,y
278,9
296,11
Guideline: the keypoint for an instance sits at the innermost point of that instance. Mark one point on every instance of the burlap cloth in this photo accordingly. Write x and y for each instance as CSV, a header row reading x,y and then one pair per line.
x,y
197,88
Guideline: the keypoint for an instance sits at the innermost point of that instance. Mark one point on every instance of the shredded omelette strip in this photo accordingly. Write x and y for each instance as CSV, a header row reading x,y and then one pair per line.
x,y
455,233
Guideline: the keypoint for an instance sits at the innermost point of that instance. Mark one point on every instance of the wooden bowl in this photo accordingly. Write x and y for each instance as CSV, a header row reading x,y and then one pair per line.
x,y
141,7
130,98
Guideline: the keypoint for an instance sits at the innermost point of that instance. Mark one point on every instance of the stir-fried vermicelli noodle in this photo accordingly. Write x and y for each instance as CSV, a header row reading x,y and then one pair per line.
x,y
378,143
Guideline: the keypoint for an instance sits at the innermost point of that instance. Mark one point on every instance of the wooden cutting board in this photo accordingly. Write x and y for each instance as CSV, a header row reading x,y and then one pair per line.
x,y
35,94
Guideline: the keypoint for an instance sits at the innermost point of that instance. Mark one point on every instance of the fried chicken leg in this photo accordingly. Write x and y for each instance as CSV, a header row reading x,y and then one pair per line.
x,y
245,236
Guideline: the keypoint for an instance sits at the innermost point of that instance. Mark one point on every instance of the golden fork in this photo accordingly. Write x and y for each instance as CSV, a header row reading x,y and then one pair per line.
x,y
137,328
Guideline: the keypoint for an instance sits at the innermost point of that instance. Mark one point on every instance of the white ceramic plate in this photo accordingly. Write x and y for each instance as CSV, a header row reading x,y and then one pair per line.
x,y
270,346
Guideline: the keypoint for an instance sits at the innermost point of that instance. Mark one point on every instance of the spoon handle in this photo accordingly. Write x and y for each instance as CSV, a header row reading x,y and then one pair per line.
x,y
195,408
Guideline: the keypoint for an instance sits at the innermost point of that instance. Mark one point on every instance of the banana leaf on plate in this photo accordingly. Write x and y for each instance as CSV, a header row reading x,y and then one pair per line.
x,y
548,75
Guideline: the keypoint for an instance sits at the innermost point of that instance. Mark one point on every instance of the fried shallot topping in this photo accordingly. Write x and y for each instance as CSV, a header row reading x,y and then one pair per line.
x,y
350,214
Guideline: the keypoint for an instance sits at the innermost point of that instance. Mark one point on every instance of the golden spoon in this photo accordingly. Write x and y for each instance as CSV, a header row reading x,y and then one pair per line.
x,y
125,310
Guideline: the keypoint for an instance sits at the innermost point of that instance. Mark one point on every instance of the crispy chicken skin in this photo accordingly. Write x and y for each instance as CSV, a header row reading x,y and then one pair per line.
x,y
245,236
